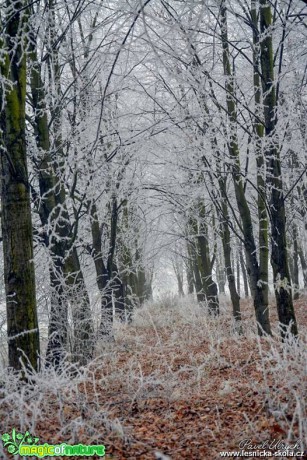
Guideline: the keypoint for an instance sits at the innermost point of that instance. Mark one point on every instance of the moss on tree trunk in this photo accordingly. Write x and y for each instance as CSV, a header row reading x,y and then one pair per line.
x,y
22,323
279,256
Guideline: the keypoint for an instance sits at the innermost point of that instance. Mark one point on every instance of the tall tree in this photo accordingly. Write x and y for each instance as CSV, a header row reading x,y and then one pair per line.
x,y
253,268
66,278
22,323
258,129
279,255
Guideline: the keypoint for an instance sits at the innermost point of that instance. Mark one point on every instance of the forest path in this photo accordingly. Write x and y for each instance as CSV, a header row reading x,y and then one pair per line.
x,y
181,384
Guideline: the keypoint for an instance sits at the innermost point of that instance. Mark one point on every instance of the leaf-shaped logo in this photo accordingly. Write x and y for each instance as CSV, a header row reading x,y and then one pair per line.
x,y
12,442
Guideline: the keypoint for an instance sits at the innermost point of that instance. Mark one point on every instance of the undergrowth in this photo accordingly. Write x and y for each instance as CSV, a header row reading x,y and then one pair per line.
x,y
172,351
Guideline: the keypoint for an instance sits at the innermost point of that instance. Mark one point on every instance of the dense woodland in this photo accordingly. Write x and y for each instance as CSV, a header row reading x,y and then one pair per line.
x,y
152,146
143,137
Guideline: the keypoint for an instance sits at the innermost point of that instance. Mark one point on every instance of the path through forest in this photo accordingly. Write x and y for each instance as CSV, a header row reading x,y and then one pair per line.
x,y
176,382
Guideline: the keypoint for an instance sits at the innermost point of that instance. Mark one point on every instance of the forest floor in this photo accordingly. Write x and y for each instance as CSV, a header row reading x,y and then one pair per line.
x,y
175,384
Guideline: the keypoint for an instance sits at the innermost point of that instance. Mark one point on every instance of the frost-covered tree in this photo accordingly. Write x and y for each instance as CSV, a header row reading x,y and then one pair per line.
x,y
19,276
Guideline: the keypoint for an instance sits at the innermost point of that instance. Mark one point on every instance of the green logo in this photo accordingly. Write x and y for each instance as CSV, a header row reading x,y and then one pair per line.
x,y
27,445
13,442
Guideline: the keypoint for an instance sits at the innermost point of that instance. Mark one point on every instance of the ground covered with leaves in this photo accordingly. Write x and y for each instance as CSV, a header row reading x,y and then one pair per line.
x,y
176,383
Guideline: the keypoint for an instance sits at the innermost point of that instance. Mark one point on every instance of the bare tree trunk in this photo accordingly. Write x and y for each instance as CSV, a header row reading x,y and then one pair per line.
x,y
303,264
107,309
66,277
258,129
244,274
238,274
76,292
209,287
50,216
224,217
253,269
192,250
279,256
189,274
180,286
102,274
179,276
19,276
295,285
220,270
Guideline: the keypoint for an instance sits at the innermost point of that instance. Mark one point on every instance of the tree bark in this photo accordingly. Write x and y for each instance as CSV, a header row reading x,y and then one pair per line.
x,y
189,268
224,217
244,274
238,274
253,269
102,273
303,264
66,277
83,340
220,270
258,129
279,256
22,323
192,251
179,277
49,215
204,262
295,286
